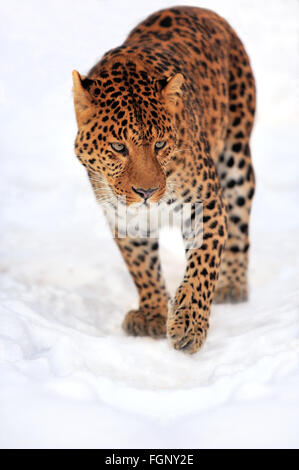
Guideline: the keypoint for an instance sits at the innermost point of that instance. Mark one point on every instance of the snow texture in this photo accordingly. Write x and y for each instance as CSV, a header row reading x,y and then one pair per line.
x,y
69,376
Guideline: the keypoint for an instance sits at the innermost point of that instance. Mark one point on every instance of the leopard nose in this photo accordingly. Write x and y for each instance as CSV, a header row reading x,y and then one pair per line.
x,y
145,193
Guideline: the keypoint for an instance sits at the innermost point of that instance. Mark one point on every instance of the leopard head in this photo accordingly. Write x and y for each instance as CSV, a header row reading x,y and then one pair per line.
x,y
126,130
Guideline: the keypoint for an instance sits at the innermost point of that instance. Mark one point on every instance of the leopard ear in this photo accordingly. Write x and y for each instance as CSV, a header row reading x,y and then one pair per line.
x,y
83,100
172,90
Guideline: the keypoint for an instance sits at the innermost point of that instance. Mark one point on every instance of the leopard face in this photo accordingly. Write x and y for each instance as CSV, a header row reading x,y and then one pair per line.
x,y
126,131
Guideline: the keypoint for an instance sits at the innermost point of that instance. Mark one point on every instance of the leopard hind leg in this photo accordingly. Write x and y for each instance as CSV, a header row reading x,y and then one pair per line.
x,y
235,170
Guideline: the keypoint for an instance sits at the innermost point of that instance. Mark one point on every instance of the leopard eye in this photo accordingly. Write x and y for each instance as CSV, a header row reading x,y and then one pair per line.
x,y
121,148
160,145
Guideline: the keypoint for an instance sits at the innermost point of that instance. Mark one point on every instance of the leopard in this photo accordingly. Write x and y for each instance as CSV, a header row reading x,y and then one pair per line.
x,y
167,117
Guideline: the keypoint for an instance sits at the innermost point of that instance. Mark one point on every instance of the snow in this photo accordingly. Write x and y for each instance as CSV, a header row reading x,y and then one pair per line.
x,y
69,376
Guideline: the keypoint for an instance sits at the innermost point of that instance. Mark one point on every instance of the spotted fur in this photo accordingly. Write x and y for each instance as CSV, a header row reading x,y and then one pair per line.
x,y
183,78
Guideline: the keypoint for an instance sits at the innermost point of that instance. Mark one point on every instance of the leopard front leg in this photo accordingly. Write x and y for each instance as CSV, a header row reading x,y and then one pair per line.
x,y
142,259
188,319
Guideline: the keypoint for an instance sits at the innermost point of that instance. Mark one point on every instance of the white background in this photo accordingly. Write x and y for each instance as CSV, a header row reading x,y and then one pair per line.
x,y
69,377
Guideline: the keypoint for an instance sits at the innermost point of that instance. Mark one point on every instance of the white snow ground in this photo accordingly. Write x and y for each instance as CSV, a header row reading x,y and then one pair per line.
x,y
69,376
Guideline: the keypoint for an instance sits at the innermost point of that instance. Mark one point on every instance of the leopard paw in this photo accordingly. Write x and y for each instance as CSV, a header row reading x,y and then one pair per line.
x,y
134,323
230,294
187,329
144,322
